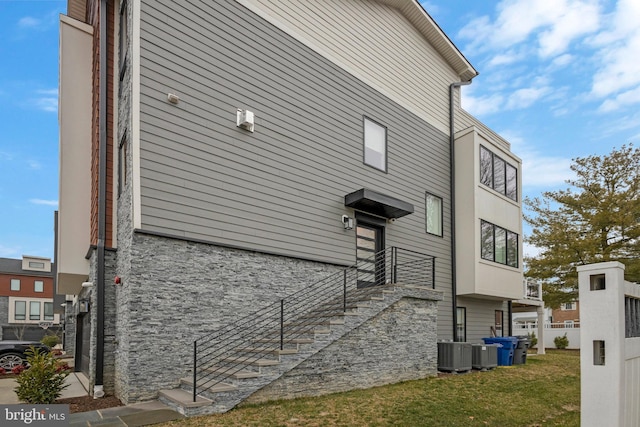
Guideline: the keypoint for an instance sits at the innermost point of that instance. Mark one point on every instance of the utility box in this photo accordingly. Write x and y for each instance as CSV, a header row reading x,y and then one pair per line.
x,y
454,356
484,356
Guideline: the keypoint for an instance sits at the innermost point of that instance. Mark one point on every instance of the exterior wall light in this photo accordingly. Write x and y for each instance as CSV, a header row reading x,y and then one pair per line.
x,y
347,222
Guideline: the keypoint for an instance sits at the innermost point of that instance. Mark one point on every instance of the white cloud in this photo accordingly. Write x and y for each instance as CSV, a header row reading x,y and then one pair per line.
x,y
29,22
523,98
44,202
48,101
553,24
506,58
34,164
482,105
538,170
624,99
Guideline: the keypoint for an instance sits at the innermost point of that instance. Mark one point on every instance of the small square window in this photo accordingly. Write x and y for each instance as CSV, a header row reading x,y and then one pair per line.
x,y
15,284
598,353
597,282
434,214
38,286
375,145
34,310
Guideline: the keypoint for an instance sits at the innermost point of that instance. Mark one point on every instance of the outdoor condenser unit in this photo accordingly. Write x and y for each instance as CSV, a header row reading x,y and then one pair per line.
x,y
454,356
484,356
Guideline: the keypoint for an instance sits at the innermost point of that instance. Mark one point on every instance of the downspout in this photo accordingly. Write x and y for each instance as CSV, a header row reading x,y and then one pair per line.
x,y
98,390
510,316
452,183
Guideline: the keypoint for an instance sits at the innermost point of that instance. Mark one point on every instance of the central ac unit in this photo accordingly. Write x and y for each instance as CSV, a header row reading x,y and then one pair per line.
x,y
454,356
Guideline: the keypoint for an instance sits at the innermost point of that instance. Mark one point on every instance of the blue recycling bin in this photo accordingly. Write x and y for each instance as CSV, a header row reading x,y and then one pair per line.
x,y
505,353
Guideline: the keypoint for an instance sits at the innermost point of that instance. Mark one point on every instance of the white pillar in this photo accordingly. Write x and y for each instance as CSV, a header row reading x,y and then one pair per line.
x,y
602,386
540,311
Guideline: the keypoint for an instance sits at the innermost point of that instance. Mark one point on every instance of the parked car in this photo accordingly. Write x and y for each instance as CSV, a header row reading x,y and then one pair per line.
x,y
12,353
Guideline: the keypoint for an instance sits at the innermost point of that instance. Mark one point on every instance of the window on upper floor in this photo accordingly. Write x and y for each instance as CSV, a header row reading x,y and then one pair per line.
x,y
38,286
498,244
34,310
15,284
124,39
36,264
375,144
568,306
122,163
434,214
48,311
20,312
497,174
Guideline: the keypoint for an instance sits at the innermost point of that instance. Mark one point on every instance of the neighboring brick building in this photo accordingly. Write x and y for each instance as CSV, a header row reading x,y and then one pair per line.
x,y
26,298
568,313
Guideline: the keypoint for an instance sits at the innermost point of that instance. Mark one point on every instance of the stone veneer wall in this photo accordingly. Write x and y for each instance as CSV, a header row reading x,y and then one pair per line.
x,y
70,320
399,344
174,291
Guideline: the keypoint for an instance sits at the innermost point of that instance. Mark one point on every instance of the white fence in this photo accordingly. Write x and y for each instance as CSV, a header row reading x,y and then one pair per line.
x,y
610,350
551,331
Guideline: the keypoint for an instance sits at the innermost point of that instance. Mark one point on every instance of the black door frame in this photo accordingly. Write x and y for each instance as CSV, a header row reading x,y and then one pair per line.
x,y
378,224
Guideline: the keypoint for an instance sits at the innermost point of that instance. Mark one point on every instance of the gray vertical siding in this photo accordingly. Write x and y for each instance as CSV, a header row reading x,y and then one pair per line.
x,y
481,317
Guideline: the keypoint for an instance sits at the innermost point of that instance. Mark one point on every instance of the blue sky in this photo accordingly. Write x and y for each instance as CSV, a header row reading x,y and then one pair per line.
x,y
558,78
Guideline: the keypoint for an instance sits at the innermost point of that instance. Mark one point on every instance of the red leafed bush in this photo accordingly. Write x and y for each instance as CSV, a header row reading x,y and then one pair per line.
x,y
17,369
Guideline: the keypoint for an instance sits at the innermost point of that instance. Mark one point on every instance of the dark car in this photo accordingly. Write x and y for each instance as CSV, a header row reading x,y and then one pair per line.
x,y
12,353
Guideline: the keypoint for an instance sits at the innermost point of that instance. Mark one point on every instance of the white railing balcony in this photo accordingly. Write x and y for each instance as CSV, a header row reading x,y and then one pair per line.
x,y
532,290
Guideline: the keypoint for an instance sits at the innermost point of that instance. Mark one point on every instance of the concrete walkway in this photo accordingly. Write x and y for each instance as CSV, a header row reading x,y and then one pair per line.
x,y
139,414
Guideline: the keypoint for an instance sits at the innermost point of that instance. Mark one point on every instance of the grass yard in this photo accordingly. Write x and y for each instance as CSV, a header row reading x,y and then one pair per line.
x,y
544,392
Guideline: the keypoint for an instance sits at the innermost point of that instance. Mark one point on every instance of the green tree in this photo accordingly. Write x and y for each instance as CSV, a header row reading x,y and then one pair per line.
x,y
596,220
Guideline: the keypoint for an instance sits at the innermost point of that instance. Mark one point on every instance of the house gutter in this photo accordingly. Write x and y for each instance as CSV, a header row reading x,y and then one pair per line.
x,y
452,178
98,390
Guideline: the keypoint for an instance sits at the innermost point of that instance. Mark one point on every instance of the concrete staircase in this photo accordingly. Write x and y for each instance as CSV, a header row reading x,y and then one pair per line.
x,y
262,365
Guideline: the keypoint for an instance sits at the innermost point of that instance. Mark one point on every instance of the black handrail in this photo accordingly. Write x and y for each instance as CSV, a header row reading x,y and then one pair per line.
x,y
224,352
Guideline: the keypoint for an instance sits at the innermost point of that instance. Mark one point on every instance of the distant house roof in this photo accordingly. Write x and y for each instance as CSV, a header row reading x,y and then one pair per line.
x,y
14,266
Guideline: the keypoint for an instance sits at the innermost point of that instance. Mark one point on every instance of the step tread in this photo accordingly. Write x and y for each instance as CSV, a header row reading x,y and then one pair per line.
x,y
286,341
216,388
241,374
267,350
185,398
250,361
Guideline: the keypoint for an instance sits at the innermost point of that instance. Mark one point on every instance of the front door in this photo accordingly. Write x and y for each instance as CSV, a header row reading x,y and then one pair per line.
x,y
370,259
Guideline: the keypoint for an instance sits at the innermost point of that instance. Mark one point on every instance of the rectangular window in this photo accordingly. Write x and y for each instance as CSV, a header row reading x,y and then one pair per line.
x,y
38,286
34,310
496,173
36,264
122,163
48,311
375,145
21,310
461,323
434,214
15,284
498,244
567,306
499,323
124,39
598,353
597,282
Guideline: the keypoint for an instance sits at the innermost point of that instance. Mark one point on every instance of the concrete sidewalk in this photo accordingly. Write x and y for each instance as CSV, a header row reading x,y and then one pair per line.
x,y
139,414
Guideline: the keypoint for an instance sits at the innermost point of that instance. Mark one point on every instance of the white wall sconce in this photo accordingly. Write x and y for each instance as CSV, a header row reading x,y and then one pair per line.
x,y
173,98
245,120
87,284
347,222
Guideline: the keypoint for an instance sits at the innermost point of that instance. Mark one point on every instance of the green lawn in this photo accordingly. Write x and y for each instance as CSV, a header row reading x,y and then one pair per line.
x,y
544,392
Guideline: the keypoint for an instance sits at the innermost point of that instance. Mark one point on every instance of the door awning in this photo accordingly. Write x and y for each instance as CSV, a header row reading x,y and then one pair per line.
x,y
379,204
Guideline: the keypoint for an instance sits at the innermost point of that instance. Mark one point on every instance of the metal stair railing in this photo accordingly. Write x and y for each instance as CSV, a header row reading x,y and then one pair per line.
x,y
224,352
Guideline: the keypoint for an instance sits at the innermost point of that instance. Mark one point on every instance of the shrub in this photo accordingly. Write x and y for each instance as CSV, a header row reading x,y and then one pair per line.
x,y
533,339
43,382
561,342
50,340
17,370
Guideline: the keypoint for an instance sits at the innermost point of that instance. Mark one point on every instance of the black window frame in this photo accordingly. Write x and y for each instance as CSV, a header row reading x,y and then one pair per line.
x,y
31,315
46,315
122,162
123,39
508,255
426,213
364,143
488,178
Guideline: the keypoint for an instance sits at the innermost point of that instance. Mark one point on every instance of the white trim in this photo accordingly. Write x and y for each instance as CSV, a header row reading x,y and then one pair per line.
x,y
135,114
